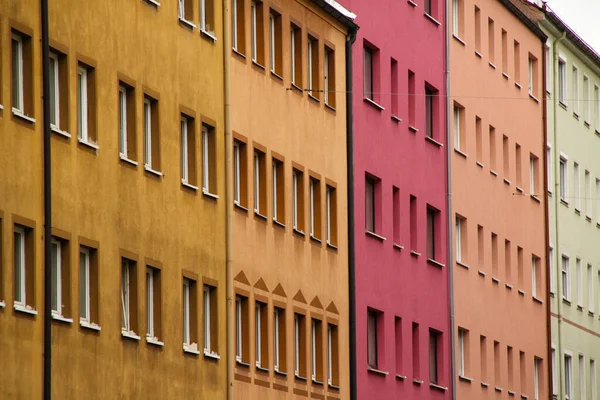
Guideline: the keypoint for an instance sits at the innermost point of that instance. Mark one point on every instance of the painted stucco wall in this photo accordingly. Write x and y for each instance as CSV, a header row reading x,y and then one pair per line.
x,y
100,198
399,284
493,290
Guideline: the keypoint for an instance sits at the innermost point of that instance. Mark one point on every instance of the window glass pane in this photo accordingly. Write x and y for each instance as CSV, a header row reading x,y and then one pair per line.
x,y
55,272
83,288
18,267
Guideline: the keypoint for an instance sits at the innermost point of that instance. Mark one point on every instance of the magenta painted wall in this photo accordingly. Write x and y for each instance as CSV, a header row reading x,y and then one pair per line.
x,y
390,280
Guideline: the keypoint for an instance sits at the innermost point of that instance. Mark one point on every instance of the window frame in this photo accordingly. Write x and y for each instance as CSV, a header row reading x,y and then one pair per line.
x,y
373,338
187,321
54,90
206,294
82,105
21,289
20,84
565,278
87,319
57,286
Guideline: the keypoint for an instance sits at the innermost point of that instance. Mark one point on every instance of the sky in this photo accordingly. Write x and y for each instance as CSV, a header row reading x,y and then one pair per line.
x,y
582,16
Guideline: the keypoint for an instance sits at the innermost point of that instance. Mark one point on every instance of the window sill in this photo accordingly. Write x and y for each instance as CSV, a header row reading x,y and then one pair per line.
x,y
188,186
316,239
597,132
498,389
479,164
299,232
524,396
154,341
493,172
61,318
59,132
372,103
19,114
191,349
317,382
465,379
25,309
597,224
485,384
241,207
129,335
537,300
519,189
209,194
532,97
577,211
457,151
398,247
1,107
417,382
400,377
563,105
564,202
90,325
208,35
579,307
237,53
396,118
511,393
187,24
412,3
258,65
332,246
242,364
259,215
591,313
296,88
588,218
332,386
575,115
433,141
124,158
459,40
300,378
2,304
313,98
89,144
153,2
376,236
153,172
507,182
492,65
211,354
518,85
496,280
413,129
508,286
279,224
478,54
435,263
505,75
435,21
480,272
438,387
566,301
521,292
278,372
415,254
377,372
462,265
329,107
534,197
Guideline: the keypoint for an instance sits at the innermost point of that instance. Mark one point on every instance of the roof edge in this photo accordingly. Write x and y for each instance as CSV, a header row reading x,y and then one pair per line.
x,y
339,12
533,26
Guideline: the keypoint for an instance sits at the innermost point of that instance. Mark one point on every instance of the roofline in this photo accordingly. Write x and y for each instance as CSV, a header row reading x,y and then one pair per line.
x,y
339,12
534,27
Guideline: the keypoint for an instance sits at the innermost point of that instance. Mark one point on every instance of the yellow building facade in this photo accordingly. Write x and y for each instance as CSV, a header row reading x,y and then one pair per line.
x,y
138,180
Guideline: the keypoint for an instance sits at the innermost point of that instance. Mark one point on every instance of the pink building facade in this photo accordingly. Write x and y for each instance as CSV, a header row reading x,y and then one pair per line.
x,y
400,205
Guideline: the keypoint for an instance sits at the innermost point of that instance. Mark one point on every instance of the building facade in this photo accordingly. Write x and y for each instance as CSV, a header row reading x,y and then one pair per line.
x,y
290,247
572,89
498,203
138,245
400,210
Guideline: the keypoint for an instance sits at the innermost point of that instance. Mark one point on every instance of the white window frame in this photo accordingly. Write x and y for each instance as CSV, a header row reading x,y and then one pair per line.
x,y
312,207
457,125
203,20
54,90
125,296
326,75
234,20
368,73
205,160
184,150
568,371
122,121
186,312
455,27
20,100
590,287
309,46
576,186
293,54
238,328
533,276
458,239
147,133
295,199
21,270
313,350
575,89
597,200
532,175
565,278
593,379
530,80
258,327
550,167
562,79
579,281
329,355
563,171
84,263
328,190
536,379
253,31
581,376
596,107
552,271
548,67
256,182
296,345
554,372
274,179
461,352
150,303
588,193
276,349
586,98
272,41
236,173
58,288
206,296
181,11
82,105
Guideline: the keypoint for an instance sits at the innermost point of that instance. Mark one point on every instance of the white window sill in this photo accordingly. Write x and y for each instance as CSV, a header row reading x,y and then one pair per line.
x,y
417,382
297,376
129,335
412,3
459,40
415,253
464,378
498,389
89,325
485,384
332,246
278,372
209,35
457,151
259,215
478,54
493,172
437,387
495,280
511,393
537,300
154,341
317,382
332,108
1,107
191,348
57,130
378,372
524,396
396,118
20,114
435,21
299,232
238,205
211,354
206,193
521,292
462,264
259,65
187,185
504,74
280,224
153,2
187,23
480,272
507,182
243,364
123,157
400,377
376,236
534,197
479,164
492,65
150,170
518,85
432,140
508,286
316,239
435,263
413,129
332,386
534,98
374,104
58,317
398,246
519,189
25,309
89,144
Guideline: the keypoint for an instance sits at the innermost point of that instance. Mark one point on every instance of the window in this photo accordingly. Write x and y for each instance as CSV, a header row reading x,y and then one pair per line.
x,y
209,294
535,275
579,282
241,329
509,357
209,161
576,187
313,67
593,381
329,76
296,54
153,305
240,174
128,297
517,60
433,237
434,344
459,139
298,200
505,157
508,260
548,68
491,47
88,287
24,268
457,18
368,73
463,343
299,346
533,75
494,254
586,100
332,355
275,51
518,166
127,137
492,134
588,195
22,78
370,204
188,152
58,85
415,351
477,29
596,109
533,173
597,200
429,7
260,187
60,278
552,272
207,17
151,136
523,370
261,337
536,377
190,326
238,26
278,188
331,215
279,340
86,104
590,288
478,139
504,37
497,372
575,90
185,10
399,345
554,369
414,239
412,93
565,277
256,30
372,338
550,166
483,357
431,102
563,179
458,238
316,350
394,88
315,208
581,373
396,214
562,80
568,377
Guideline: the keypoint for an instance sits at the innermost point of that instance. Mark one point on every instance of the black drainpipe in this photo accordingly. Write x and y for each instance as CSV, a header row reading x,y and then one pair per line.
x,y
47,208
350,38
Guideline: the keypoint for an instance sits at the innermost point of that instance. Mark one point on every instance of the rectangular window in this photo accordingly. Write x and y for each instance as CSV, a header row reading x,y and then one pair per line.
x,y
523,371
480,246
507,261
593,380
478,139
412,93
459,138
209,297
495,254
533,174
58,91
298,199
552,272
188,152
257,32
457,18
414,239
399,344
459,222
520,265
477,29
278,188
416,358
537,367
190,325
127,136
241,330
260,335
483,357
240,174
504,51
505,157
581,374
279,340
431,108
396,214
275,37
315,208
565,277
151,135
207,17
535,275
511,370
128,297
153,304
313,67
562,80
590,288
434,348
550,167
329,76
554,370
576,187
372,338
316,351
209,160
394,89
86,104
260,183
579,282
518,166
549,64
368,73
238,26
332,356
185,10
568,377
586,100
563,179
299,346
497,372
61,273
491,47
22,74
433,236
296,54
597,200
492,135
24,268
88,287
596,109
331,215
533,75
463,350
575,89
588,195
370,204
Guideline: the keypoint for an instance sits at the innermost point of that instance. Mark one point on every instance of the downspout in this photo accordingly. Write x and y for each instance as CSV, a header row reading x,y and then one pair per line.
x,y
47,206
557,193
350,38
228,197
449,210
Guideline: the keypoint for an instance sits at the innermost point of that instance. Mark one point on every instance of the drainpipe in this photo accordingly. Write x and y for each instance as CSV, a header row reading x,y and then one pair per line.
x,y
228,197
350,38
449,209
47,206
557,193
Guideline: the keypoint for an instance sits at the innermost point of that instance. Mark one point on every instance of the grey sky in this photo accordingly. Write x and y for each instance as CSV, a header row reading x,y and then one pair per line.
x,y
582,17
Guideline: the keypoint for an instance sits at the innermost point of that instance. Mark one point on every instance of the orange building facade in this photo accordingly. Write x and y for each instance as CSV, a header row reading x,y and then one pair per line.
x,y
498,208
